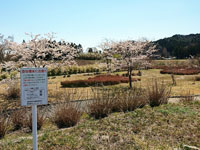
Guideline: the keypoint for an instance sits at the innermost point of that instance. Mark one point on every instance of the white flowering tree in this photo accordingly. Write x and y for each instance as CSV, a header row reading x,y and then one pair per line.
x,y
107,54
4,52
40,51
132,53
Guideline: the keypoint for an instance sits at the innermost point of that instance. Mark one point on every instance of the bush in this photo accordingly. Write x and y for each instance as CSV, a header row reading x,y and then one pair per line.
x,y
13,74
180,71
128,100
58,71
115,100
66,115
53,72
100,107
18,119
98,80
90,56
133,99
157,94
13,91
40,121
74,70
3,76
3,126
197,78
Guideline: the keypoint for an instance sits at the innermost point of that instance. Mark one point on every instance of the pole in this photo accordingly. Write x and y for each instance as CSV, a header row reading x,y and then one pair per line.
x,y
34,126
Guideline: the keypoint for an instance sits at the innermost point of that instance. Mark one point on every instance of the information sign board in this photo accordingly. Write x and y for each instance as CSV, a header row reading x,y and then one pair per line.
x,y
33,86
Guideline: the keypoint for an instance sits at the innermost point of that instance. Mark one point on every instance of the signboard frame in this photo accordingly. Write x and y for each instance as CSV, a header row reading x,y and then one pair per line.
x,y
29,86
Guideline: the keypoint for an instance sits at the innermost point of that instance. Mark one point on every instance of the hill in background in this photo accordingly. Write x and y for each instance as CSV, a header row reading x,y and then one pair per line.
x,y
180,46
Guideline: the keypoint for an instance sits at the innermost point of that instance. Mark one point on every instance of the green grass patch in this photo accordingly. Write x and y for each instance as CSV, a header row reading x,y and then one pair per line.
x,y
167,126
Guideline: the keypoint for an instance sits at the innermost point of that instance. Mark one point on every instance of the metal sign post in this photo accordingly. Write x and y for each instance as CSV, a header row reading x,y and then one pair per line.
x,y
34,126
33,93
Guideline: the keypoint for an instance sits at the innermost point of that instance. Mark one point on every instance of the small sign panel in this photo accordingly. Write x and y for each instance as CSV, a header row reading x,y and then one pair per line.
x,y
33,86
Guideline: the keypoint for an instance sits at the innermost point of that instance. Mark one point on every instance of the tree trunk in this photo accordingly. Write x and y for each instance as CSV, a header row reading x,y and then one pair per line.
x,y
173,80
130,77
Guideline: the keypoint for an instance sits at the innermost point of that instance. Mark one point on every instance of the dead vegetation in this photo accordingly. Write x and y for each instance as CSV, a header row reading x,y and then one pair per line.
x,y
66,115
3,126
157,93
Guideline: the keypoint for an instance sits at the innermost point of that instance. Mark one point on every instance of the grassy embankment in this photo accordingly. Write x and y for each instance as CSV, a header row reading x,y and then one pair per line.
x,y
165,127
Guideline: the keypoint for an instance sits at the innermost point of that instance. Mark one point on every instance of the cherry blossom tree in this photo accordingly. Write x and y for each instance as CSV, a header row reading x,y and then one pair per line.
x,y
4,52
107,55
39,51
131,53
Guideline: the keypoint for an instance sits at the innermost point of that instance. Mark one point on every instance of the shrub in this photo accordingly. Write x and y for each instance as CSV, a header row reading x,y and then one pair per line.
x,y
58,71
75,70
3,126
197,78
66,115
115,100
103,100
78,70
53,72
18,119
128,103
98,80
3,76
40,121
49,72
180,71
13,74
90,56
128,100
157,94
99,107
13,91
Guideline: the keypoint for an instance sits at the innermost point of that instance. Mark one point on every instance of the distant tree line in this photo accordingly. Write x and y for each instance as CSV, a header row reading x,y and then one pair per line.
x,y
38,49
78,47
180,46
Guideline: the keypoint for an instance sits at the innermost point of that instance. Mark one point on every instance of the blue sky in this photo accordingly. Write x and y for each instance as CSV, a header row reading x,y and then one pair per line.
x,y
89,22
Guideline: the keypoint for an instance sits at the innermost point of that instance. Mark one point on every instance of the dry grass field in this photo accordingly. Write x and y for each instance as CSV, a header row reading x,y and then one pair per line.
x,y
185,84
167,126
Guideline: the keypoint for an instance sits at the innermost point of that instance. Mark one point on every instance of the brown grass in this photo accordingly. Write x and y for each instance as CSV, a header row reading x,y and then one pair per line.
x,y
128,100
3,126
13,91
158,93
18,119
66,115
100,107
40,121
116,100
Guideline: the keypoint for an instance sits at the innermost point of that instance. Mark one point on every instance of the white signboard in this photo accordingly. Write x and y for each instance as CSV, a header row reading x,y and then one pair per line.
x,y
33,86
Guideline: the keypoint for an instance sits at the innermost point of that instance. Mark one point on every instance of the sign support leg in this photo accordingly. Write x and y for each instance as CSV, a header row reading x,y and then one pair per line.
x,y
34,126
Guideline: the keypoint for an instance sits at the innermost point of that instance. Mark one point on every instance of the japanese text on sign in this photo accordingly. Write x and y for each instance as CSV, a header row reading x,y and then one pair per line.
x,y
33,86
